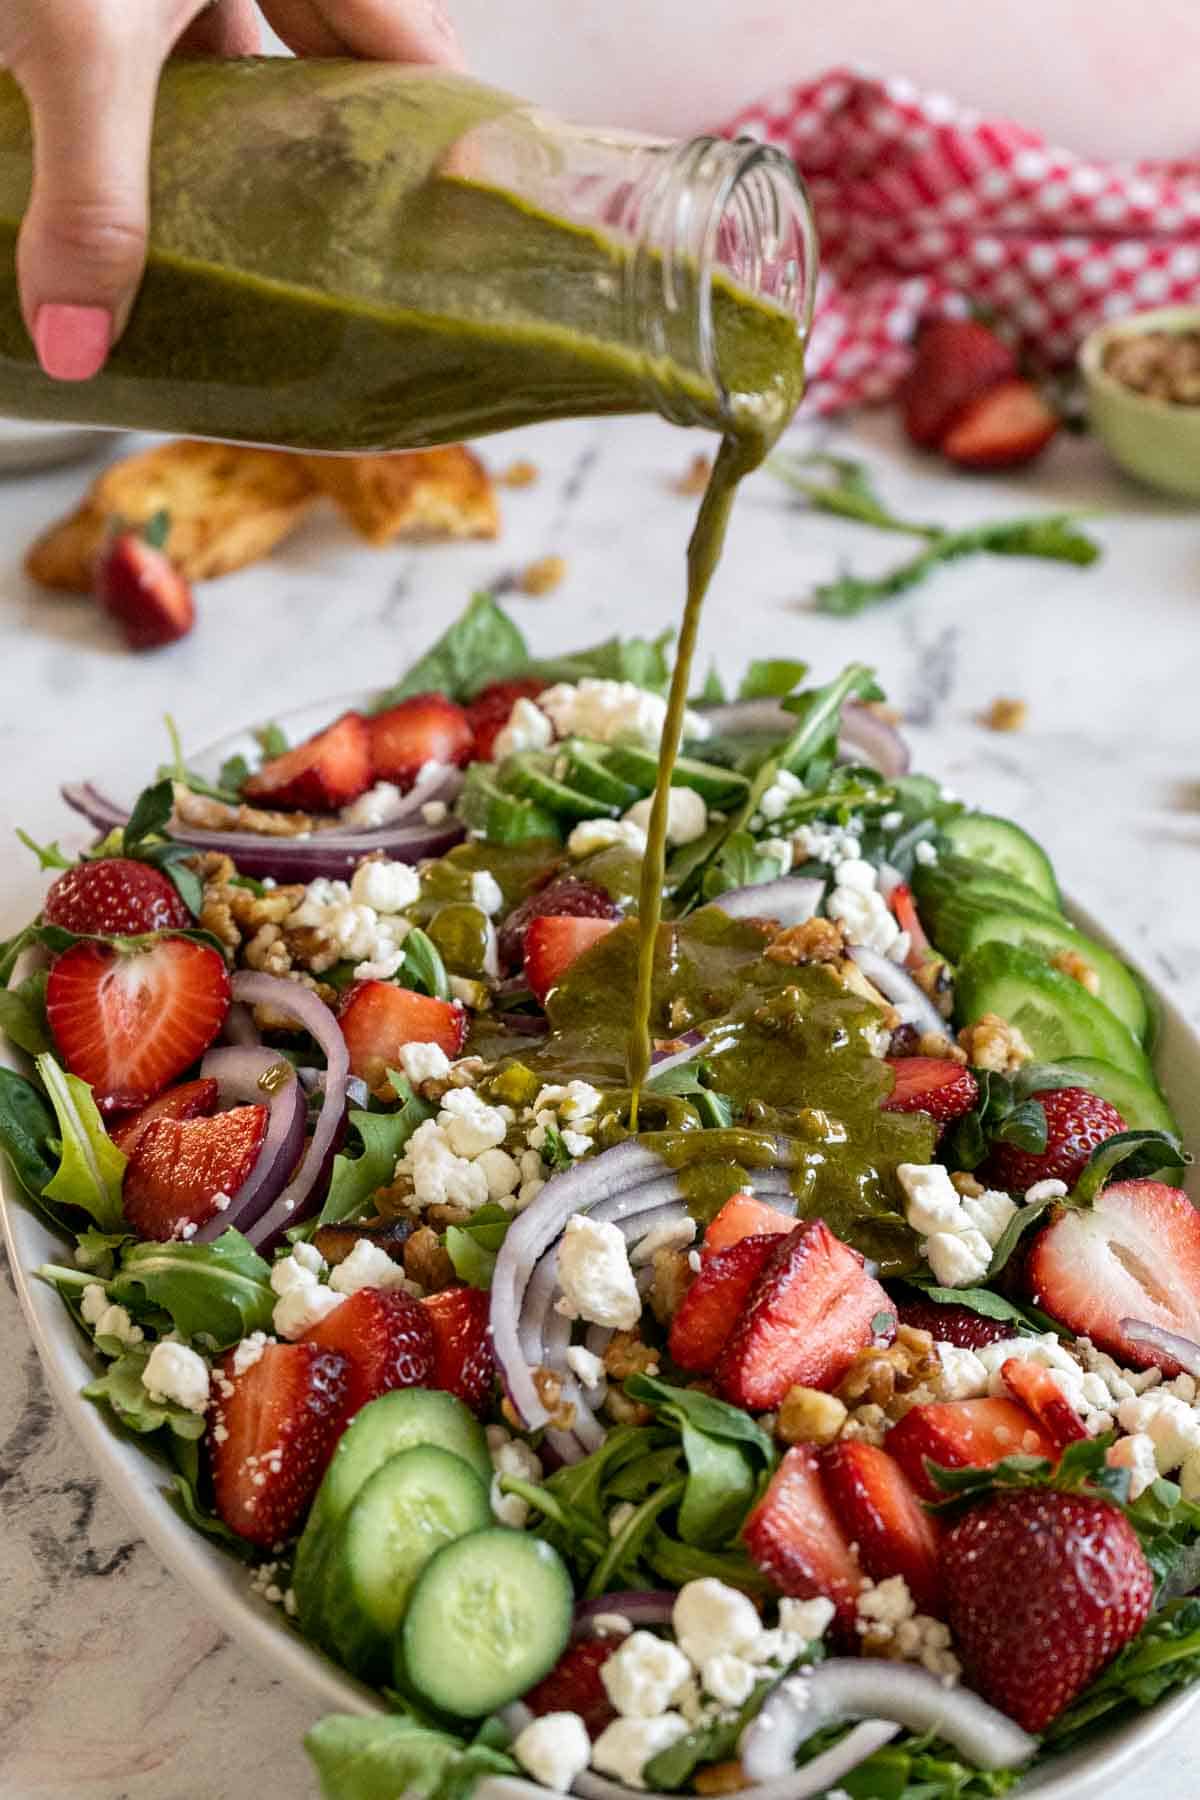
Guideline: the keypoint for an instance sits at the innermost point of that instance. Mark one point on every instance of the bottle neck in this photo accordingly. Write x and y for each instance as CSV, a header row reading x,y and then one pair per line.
x,y
716,224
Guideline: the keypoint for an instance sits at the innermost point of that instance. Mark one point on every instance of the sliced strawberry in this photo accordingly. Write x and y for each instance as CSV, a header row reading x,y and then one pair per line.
x,y
744,1216
1134,1254
905,908
809,1314
710,1308
568,896
960,1434
378,1019
114,897
1043,1589
273,1429
883,1517
1035,1387
387,1339
956,361
931,1084
426,728
1008,425
320,775
552,944
145,593
181,1167
190,1100
795,1537
463,1362
488,713
130,1021
1077,1122
954,1324
574,1685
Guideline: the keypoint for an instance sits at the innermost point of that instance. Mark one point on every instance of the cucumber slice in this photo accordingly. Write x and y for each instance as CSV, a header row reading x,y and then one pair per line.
x,y
1118,990
530,776
952,873
490,1615
417,1502
1004,845
722,788
1056,1016
585,771
395,1422
1142,1107
499,817
950,913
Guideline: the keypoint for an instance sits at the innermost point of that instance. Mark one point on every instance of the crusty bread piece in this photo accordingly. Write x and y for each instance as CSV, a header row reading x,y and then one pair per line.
x,y
416,494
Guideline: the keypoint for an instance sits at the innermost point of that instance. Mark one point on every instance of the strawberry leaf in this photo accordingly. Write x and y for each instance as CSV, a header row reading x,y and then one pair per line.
x,y
1081,1469
1000,1114
1137,1154
151,811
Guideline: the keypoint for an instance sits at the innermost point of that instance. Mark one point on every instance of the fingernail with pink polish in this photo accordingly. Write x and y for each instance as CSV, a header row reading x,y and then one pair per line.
x,y
72,341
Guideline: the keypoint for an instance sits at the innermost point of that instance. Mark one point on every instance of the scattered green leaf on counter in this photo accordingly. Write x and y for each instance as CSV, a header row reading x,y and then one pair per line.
x,y
23,1014
771,679
28,1132
481,646
382,1758
472,1247
121,1388
91,1168
50,856
219,1291
851,493
383,1135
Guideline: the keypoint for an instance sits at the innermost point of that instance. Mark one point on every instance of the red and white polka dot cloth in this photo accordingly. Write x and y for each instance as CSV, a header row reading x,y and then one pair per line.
x,y
924,207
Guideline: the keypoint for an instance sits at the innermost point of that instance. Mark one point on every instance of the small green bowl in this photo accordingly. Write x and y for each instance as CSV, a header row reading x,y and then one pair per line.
x,y
1156,440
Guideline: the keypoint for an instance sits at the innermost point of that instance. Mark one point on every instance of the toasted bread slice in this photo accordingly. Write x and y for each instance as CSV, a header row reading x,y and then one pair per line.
x,y
415,494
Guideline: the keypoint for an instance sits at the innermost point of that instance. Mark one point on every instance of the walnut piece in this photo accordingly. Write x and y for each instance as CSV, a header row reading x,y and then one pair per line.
x,y
1164,365
519,474
817,940
626,1355
624,1411
425,1261
882,1376
694,479
543,576
720,1778
549,1389
672,1277
966,1185
932,1043
1078,968
933,977
1005,714
809,1416
992,1043
202,813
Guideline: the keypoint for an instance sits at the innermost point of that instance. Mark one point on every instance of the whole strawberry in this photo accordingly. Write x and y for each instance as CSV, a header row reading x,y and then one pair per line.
x,y
1042,1589
954,1324
1077,1121
115,897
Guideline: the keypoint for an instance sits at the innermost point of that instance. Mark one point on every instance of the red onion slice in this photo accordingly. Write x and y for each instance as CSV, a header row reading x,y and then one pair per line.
x,y
897,986
238,1074
1183,1350
643,1609
791,900
239,1027
300,1195
870,1688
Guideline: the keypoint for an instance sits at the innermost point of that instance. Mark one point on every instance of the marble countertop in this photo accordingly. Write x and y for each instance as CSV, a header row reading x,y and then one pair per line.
x,y
113,1685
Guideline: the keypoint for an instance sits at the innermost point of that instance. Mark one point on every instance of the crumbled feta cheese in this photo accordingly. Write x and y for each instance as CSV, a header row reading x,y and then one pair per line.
x,y
687,816
177,1375
439,1176
501,1173
388,887
785,787
964,1376
115,1322
925,853
93,1303
675,1234
859,876
554,1749
641,1676
989,1213
576,1143
586,1367
367,1266
594,1274
932,1202
807,1619
1135,1453
249,1351
884,1603
434,811
885,1612
780,1648
727,1678
470,1124
355,931
1045,1190
485,892
625,1747
424,1062
383,970
302,1308
709,1615
778,848
864,917
1087,1392
302,1267
958,1258
374,808
601,834
891,821
511,1456
611,1625
527,728
1171,1425
830,844
612,712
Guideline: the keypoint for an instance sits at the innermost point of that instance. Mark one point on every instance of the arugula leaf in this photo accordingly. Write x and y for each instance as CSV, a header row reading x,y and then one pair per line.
x,y
151,811
818,714
1024,1217
724,1459
423,968
919,1770
381,1758
1049,535
705,1413
771,679
640,660
91,1167
95,1251
50,856
271,739
554,1149
219,1291
1136,1154
714,1741
738,863
28,1132
1169,1529
383,1135
186,1498
1164,1655
177,771
472,1247
675,1564
120,1387
233,774
713,691
23,1014
481,646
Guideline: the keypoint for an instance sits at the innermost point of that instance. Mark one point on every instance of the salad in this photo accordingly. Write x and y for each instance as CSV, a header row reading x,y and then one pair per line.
x,y
833,1432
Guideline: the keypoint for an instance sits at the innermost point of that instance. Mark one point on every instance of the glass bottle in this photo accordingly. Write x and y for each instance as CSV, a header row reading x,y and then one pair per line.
x,y
354,256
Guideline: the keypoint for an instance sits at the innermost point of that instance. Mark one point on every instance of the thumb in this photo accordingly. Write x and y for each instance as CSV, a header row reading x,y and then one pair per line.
x,y
83,241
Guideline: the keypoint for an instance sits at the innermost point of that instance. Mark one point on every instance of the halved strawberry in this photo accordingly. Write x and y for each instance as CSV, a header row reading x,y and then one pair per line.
x,y
552,944
744,1216
567,896
190,1100
1134,1254
931,1084
130,1021
272,1430
1035,1387
180,1167
387,1339
962,1434
320,775
809,1314
114,897
1077,1122
463,1362
1008,425
905,908
140,587
710,1308
884,1519
378,1019
488,713
425,728
954,1324
956,361
574,1685
796,1538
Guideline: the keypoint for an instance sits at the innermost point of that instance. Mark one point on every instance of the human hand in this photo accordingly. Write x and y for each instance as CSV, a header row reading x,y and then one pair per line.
x,y
89,70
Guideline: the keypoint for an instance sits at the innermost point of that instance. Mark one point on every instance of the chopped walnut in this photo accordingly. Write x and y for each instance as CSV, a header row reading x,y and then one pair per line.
x,y
1164,365
202,813
624,1411
626,1355
337,1242
440,1215
1005,715
932,975
464,1073
549,1390
543,576
519,474
672,1278
809,1416
854,981
1078,968
992,1043
869,1423
817,940
268,952
215,916
425,1261
694,479
309,945
720,1778
966,1185
879,1376
932,1043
